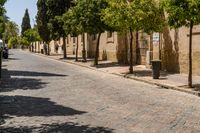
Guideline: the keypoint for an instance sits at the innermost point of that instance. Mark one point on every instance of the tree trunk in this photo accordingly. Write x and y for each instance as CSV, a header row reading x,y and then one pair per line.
x,y
131,51
84,51
64,48
35,47
137,49
151,47
126,49
190,56
97,50
39,47
77,50
32,47
48,49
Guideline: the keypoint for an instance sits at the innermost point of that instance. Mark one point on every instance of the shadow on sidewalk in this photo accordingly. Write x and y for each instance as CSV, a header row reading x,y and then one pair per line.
x,y
68,127
109,64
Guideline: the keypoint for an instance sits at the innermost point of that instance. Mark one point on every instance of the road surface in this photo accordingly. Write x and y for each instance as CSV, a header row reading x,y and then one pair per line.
x,y
41,95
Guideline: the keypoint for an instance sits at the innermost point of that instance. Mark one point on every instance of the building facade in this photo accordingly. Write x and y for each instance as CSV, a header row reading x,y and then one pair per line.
x,y
172,48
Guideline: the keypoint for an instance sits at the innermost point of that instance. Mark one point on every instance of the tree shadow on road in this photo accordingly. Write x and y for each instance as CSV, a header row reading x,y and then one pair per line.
x,y
73,128
68,127
33,106
12,84
30,73
13,80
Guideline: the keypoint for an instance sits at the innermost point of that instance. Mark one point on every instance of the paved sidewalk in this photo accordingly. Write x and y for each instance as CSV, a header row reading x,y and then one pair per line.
x,y
141,73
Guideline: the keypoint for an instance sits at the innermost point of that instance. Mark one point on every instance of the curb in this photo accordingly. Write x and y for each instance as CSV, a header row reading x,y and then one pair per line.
x,y
181,89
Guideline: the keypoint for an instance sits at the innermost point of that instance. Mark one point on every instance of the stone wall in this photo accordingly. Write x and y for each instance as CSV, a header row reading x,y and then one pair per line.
x,y
175,49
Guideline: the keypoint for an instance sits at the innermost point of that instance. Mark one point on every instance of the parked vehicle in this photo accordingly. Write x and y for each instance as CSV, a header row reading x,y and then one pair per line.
x,y
5,53
4,49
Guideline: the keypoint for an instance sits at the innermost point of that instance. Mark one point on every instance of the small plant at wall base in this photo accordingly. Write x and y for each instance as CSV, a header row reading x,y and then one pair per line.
x,y
184,13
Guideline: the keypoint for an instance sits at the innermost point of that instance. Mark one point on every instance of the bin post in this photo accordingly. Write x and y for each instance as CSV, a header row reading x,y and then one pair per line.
x,y
156,66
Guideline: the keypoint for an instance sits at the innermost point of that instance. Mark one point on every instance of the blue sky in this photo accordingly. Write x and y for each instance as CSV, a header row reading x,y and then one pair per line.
x,y
16,9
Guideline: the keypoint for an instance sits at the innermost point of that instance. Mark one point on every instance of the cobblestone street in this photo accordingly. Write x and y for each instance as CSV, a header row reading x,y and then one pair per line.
x,y
42,95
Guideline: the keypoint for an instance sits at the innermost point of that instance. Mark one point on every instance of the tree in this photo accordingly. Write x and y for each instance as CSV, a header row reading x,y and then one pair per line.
x,y
12,42
32,36
89,17
132,16
11,30
23,41
25,22
2,20
56,8
42,23
184,13
72,26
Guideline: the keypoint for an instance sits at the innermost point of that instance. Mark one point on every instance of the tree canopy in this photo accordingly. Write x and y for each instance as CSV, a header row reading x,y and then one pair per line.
x,y
182,12
42,21
32,35
143,15
25,22
2,20
88,14
11,30
55,10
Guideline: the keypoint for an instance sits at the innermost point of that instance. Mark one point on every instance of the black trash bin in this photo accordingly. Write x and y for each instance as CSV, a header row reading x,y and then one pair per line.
x,y
156,66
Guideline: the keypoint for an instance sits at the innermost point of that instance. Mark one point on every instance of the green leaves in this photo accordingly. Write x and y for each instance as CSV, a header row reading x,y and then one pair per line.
x,y
55,11
87,16
42,21
12,41
181,12
71,22
32,35
138,14
11,30
25,22
2,21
